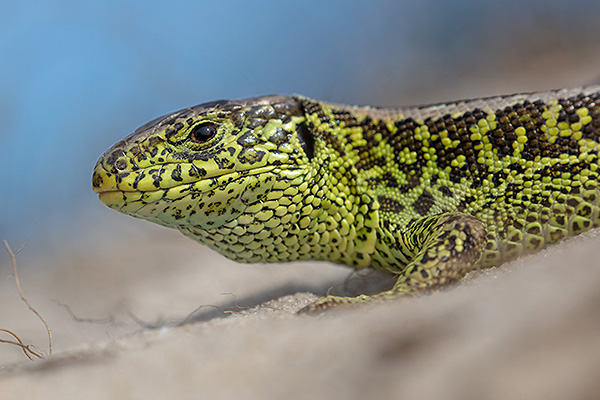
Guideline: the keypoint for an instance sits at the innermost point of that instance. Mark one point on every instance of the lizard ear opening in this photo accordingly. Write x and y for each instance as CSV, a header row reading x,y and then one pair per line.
x,y
307,140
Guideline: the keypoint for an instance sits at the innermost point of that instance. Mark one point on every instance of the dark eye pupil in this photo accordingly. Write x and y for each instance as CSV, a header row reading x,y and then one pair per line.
x,y
202,133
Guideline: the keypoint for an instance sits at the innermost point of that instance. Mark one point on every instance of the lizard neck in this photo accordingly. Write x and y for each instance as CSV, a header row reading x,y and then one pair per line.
x,y
369,163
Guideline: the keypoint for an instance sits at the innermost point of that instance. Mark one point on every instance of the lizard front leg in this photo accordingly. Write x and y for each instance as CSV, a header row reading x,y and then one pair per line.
x,y
448,246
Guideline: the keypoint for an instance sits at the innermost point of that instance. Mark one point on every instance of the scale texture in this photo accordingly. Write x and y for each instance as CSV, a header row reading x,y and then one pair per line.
x,y
425,193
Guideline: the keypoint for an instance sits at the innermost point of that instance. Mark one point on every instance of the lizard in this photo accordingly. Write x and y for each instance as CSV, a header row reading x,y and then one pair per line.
x,y
425,193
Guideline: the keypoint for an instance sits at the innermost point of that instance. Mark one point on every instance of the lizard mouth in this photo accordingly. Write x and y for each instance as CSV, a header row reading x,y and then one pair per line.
x,y
105,182
109,196
120,193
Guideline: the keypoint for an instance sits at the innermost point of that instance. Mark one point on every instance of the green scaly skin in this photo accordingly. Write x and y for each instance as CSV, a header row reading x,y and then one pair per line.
x,y
424,193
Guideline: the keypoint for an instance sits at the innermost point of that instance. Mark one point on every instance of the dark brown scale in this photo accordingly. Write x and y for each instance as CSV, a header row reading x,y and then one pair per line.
x,y
568,107
370,129
368,162
456,174
312,107
448,120
389,204
443,161
469,119
346,117
531,129
439,125
452,133
390,180
430,125
256,123
479,114
562,116
414,180
329,138
424,203
515,121
445,191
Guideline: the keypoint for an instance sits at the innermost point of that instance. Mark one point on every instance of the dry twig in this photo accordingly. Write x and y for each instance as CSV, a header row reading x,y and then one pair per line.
x,y
25,347
18,283
107,320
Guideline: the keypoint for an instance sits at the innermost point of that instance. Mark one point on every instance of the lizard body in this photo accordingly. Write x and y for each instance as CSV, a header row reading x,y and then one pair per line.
x,y
425,193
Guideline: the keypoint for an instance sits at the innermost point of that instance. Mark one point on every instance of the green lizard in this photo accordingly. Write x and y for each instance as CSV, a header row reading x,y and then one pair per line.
x,y
424,193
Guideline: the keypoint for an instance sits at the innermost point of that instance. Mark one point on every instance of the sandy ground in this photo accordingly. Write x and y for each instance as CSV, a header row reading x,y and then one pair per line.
x,y
529,330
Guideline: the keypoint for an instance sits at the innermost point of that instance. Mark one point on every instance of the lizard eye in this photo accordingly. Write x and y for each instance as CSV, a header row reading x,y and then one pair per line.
x,y
203,132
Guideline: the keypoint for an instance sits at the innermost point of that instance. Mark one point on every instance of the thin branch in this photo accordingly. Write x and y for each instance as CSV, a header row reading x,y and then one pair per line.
x,y
26,348
147,325
107,320
18,283
190,315
235,296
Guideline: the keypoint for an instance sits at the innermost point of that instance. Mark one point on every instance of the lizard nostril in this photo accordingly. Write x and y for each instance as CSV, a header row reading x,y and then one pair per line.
x,y
120,164
115,161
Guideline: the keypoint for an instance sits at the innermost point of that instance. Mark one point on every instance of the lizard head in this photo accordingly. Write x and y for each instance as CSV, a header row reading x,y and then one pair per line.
x,y
250,178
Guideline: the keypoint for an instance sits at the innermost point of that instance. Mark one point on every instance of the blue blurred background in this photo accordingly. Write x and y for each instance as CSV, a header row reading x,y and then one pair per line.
x,y
76,76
